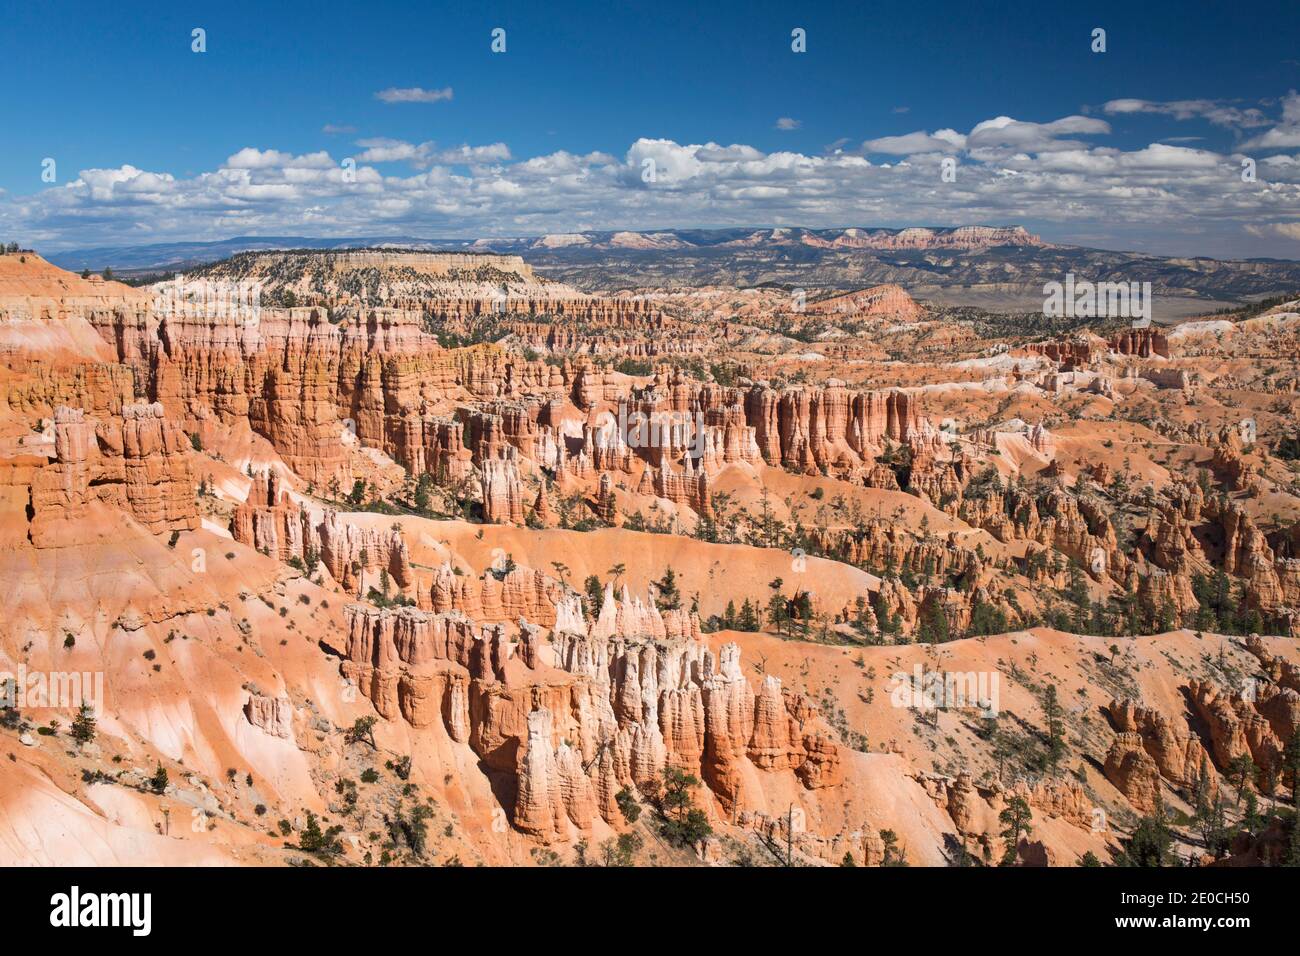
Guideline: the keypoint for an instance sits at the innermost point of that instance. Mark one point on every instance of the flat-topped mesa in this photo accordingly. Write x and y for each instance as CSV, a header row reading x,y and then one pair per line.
x,y
373,275
920,237
443,264
455,292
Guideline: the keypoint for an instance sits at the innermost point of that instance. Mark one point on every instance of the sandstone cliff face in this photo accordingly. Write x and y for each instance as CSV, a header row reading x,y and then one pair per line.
x,y
607,328
503,494
274,715
1177,753
1236,726
157,481
602,707
882,544
1133,772
1065,799
313,388
1283,672
1142,343
1254,723
539,807
504,670
138,463
323,381
499,596
804,430
269,522
1271,582
1068,353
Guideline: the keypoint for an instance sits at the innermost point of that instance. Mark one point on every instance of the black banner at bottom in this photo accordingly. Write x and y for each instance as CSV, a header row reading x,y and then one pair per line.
x,y
332,905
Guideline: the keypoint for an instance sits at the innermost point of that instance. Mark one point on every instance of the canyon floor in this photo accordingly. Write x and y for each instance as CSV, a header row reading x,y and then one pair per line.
x,y
398,558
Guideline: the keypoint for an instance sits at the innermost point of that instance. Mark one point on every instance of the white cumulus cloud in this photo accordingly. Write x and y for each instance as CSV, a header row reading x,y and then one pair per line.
x,y
413,94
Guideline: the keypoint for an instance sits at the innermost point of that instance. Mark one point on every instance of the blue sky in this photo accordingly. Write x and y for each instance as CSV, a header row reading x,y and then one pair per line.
x,y
557,129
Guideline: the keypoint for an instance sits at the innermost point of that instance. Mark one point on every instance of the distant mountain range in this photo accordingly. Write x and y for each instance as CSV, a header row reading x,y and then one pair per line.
x,y
181,255
177,256
967,238
997,267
